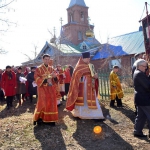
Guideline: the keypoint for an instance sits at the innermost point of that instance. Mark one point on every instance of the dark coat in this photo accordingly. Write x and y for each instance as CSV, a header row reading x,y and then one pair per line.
x,y
8,83
142,88
32,90
21,87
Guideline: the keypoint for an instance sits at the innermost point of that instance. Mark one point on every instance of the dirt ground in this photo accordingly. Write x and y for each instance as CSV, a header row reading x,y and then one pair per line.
x,y
18,133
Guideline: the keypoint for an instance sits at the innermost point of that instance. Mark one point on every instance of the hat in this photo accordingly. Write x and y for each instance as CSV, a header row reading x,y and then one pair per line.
x,y
8,67
34,67
86,55
19,68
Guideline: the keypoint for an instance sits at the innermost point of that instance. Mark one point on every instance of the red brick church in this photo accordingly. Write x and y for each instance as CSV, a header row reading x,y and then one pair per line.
x,y
76,37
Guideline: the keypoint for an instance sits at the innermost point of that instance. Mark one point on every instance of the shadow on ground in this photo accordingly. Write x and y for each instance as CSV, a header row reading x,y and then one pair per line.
x,y
17,110
83,136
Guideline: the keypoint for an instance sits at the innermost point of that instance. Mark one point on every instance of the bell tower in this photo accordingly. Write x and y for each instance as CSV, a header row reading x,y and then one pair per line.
x,y
78,24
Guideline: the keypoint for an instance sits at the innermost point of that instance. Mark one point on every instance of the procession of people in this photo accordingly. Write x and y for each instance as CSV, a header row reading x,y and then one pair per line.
x,y
78,87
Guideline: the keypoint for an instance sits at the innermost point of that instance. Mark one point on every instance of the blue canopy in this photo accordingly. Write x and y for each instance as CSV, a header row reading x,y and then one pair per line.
x,y
109,51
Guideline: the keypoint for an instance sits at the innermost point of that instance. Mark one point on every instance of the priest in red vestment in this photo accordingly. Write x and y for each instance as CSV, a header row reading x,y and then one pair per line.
x,y
46,107
83,91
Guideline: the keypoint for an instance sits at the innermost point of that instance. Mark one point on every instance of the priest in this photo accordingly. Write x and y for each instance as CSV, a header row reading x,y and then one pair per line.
x,y
83,92
46,107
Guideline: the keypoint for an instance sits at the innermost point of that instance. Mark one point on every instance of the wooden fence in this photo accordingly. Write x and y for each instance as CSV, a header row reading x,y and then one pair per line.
x,y
104,84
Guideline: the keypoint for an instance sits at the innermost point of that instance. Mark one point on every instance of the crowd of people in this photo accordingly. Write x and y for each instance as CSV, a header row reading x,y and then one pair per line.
x,y
17,83
78,86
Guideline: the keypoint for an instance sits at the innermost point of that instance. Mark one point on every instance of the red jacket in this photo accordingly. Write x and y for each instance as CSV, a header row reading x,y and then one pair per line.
x,y
8,84
0,80
68,76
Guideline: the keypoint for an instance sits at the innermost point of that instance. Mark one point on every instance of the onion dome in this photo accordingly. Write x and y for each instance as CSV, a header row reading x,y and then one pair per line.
x,y
89,33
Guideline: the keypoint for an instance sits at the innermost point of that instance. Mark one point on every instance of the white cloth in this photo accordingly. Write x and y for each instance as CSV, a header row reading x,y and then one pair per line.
x,y
34,84
62,87
22,79
84,112
58,101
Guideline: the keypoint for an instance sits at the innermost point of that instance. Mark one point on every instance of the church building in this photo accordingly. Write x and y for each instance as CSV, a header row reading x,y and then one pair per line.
x,y
76,36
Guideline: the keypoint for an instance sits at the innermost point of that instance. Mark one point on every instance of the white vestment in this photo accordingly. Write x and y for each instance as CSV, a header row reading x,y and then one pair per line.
x,y
84,112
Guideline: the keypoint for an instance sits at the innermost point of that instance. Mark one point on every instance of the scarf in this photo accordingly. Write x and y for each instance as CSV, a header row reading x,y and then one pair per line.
x,y
10,76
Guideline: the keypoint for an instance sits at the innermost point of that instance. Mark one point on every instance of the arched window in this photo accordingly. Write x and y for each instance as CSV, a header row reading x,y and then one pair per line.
x,y
82,16
71,17
79,35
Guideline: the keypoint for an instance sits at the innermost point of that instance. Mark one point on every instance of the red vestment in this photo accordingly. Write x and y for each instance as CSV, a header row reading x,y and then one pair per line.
x,y
46,107
61,85
8,83
76,90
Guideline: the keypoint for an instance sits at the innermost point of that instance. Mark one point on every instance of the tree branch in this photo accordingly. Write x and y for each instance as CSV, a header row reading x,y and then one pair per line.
x,y
29,58
2,51
6,4
6,21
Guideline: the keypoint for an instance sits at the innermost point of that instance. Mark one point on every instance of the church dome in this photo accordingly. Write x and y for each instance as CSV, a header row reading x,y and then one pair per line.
x,y
89,33
53,40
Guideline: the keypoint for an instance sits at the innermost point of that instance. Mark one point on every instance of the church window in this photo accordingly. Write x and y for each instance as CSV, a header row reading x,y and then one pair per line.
x,y
84,47
82,16
79,35
71,17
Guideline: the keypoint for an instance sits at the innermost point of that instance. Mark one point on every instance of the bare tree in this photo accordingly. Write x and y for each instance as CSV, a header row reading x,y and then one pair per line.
x,y
5,22
2,51
5,7
33,56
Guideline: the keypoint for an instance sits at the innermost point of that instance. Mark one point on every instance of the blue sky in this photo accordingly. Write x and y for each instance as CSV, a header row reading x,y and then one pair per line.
x,y
34,18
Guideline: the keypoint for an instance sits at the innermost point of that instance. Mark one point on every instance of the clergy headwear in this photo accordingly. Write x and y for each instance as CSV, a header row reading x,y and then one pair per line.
x,y
86,55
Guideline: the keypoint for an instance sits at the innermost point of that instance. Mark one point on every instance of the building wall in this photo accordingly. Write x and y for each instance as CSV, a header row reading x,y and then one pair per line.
x,y
63,60
126,65
101,64
76,11
71,32
77,24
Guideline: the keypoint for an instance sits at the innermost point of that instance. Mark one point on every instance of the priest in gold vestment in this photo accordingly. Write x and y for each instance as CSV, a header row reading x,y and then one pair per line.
x,y
46,107
116,92
82,97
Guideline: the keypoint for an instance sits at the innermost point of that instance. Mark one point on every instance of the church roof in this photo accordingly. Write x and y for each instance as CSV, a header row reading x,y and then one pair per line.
x,y
126,44
77,2
92,42
131,43
68,49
